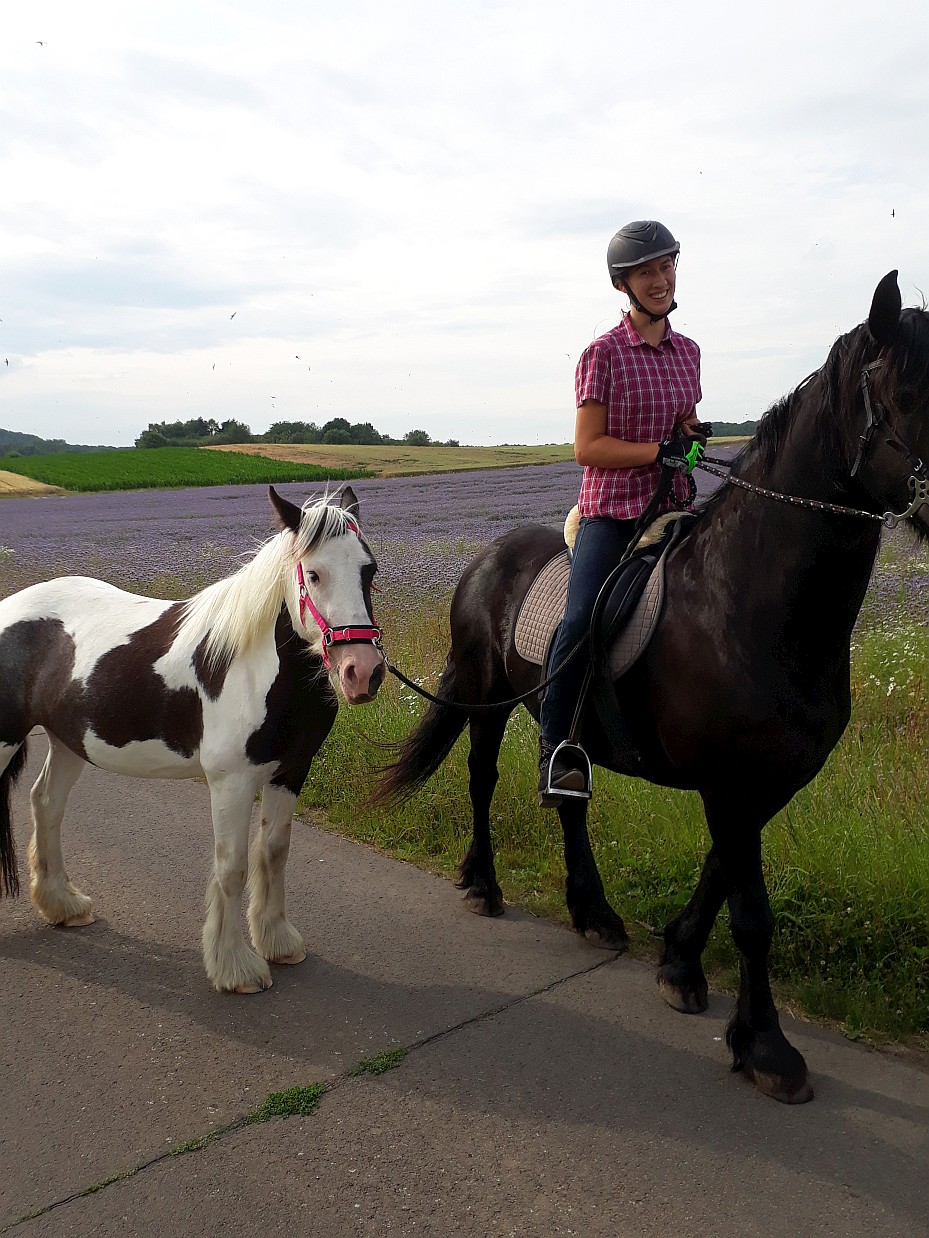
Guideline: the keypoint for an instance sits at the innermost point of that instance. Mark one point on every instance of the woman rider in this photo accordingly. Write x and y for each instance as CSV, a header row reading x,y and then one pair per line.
x,y
637,388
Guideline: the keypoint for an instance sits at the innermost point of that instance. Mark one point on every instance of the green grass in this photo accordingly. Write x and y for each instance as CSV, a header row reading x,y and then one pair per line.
x,y
166,468
294,1102
847,862
390,1059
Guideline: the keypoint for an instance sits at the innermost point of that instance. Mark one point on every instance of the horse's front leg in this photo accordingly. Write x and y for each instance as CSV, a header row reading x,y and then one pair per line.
x,y
681,978
754,1035
273,936
230,964
591,914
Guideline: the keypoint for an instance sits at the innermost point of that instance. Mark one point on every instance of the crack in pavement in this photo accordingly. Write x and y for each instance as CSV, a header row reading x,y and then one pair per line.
x,y
255,1117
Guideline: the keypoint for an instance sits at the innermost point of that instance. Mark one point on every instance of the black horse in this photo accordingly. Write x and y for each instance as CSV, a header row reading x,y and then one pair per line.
x,y
744,689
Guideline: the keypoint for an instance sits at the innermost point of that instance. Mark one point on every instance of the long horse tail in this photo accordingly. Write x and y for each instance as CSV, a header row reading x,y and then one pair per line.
x,y
9,875
424,750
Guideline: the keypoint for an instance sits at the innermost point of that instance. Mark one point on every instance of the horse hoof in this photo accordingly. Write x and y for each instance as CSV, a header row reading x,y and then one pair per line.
x,y
291,959
483,904
786,1091
86,917
607,938
688,995
253,986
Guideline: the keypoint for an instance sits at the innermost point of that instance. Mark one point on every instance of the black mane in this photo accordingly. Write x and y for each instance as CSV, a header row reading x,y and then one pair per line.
x,y
834,386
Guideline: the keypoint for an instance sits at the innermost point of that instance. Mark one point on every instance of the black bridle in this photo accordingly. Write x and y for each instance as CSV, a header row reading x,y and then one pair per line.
x,y
875,419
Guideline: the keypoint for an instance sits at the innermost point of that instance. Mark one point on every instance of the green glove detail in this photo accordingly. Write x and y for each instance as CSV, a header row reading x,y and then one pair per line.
x,y
694,455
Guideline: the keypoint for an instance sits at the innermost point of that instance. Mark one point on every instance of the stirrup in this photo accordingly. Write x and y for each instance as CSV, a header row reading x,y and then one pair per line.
x,y
581,762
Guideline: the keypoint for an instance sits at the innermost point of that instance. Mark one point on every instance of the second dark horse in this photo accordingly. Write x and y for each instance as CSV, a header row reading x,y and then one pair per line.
x,y
744,689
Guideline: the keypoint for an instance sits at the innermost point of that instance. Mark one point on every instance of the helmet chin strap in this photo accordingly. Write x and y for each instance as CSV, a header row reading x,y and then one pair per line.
x,y
641,308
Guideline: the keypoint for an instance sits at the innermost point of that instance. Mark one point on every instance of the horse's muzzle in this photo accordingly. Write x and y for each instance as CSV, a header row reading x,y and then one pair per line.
x,y
361,671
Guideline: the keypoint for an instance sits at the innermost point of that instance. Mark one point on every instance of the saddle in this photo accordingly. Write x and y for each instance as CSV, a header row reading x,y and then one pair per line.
x,y
631,614
624,622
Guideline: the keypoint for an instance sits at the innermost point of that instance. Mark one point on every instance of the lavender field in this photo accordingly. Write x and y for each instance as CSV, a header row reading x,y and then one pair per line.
x,y
424,531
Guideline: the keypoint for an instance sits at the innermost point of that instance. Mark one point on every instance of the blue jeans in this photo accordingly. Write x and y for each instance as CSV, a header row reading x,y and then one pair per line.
x,y
599,546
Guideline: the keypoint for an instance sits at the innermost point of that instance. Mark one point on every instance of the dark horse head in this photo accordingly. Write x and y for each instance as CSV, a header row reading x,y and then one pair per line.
x,y
744,689
856,432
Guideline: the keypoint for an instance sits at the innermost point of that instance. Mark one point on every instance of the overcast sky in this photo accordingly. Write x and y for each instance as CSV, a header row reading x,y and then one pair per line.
x,y
399,212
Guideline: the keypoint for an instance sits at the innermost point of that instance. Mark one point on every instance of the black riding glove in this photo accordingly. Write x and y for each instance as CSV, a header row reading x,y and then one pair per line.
x,y
681,452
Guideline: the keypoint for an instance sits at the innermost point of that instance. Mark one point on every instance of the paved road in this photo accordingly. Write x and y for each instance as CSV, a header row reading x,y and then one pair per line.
x,y
546,1089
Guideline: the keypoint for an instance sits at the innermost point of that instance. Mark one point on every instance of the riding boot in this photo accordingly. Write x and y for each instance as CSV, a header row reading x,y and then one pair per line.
x,y
559,771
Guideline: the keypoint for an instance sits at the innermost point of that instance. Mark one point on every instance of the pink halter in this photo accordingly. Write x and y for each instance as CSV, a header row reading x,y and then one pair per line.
x,y
332,636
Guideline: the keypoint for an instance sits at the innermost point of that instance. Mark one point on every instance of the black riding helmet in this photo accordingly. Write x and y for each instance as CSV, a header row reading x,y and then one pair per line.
x,y
633,244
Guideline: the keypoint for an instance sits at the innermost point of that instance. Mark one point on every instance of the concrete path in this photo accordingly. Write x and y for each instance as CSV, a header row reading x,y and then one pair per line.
x,y
545,1089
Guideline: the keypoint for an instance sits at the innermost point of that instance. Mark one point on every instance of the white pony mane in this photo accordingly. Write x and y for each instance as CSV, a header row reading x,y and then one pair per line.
x,y
236,612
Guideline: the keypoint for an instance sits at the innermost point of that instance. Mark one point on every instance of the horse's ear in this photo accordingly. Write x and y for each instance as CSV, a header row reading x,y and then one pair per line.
x,y
288,514
884,319
348,501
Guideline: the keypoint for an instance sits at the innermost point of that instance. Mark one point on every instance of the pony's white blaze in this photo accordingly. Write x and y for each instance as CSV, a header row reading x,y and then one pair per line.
x,y
339,597
224,686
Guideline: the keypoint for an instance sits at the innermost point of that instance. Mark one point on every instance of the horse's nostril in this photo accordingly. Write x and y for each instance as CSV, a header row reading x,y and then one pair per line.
x,y
377,678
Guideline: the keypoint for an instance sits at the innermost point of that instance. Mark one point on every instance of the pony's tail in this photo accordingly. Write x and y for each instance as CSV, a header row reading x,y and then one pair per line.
x,y
9,876
423,751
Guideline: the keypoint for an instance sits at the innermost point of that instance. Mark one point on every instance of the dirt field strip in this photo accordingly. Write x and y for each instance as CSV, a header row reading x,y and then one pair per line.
x,y
13,484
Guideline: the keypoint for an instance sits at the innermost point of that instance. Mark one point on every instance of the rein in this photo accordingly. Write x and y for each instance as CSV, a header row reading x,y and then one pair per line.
x,y
334,636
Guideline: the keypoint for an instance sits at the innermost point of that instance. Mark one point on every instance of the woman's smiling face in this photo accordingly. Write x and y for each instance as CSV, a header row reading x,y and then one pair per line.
x,y
652,284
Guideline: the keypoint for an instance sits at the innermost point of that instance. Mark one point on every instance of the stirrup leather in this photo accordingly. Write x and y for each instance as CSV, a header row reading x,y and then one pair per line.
x,y
580,761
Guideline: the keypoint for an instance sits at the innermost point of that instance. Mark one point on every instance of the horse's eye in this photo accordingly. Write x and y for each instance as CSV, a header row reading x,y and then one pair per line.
x,y
313,578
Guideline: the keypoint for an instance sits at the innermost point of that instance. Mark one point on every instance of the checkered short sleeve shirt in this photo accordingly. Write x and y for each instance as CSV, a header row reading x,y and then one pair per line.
x,y
647,392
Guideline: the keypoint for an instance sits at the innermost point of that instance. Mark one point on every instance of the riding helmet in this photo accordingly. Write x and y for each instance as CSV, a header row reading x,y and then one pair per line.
x,y
636,243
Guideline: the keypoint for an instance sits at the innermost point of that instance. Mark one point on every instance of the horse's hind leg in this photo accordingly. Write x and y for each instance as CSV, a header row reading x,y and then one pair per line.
x,y
230,964
591,914
680,973
273,936
51,891
476,873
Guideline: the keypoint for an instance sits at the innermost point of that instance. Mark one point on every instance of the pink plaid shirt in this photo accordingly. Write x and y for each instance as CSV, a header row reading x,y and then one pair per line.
x,y
647,392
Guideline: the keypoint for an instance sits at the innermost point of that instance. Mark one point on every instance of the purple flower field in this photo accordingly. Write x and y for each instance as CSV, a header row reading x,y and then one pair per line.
x,y
424,531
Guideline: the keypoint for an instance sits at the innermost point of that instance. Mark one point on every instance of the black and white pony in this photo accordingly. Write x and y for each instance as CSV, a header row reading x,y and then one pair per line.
x,y
231,686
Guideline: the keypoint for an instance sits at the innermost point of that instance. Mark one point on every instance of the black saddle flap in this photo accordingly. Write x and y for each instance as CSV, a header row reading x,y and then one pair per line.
x,y
621,600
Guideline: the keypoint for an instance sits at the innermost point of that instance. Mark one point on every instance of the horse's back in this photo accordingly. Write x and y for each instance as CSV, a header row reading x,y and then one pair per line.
x,y
491,591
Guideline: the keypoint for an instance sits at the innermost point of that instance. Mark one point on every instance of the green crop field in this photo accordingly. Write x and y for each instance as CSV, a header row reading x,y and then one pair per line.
x,y
166,468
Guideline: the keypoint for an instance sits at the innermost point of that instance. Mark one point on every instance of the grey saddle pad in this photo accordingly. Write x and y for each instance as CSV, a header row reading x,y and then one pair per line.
x,y
543,608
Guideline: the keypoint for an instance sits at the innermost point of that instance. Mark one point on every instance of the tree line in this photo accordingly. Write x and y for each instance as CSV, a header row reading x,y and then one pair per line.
x,y
206,432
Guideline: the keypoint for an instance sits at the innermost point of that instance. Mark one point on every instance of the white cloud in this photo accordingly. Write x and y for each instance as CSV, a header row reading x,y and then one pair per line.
x,y
415,201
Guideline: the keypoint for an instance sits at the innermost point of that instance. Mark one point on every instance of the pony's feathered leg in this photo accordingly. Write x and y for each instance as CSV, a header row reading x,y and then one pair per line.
x,y
51,891
273,936
230,964
12,760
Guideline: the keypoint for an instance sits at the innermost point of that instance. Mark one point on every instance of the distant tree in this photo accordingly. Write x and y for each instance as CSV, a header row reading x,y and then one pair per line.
x,y
152,437
364,432
293,432
417,438
337,423
337,435
232,431
451,442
